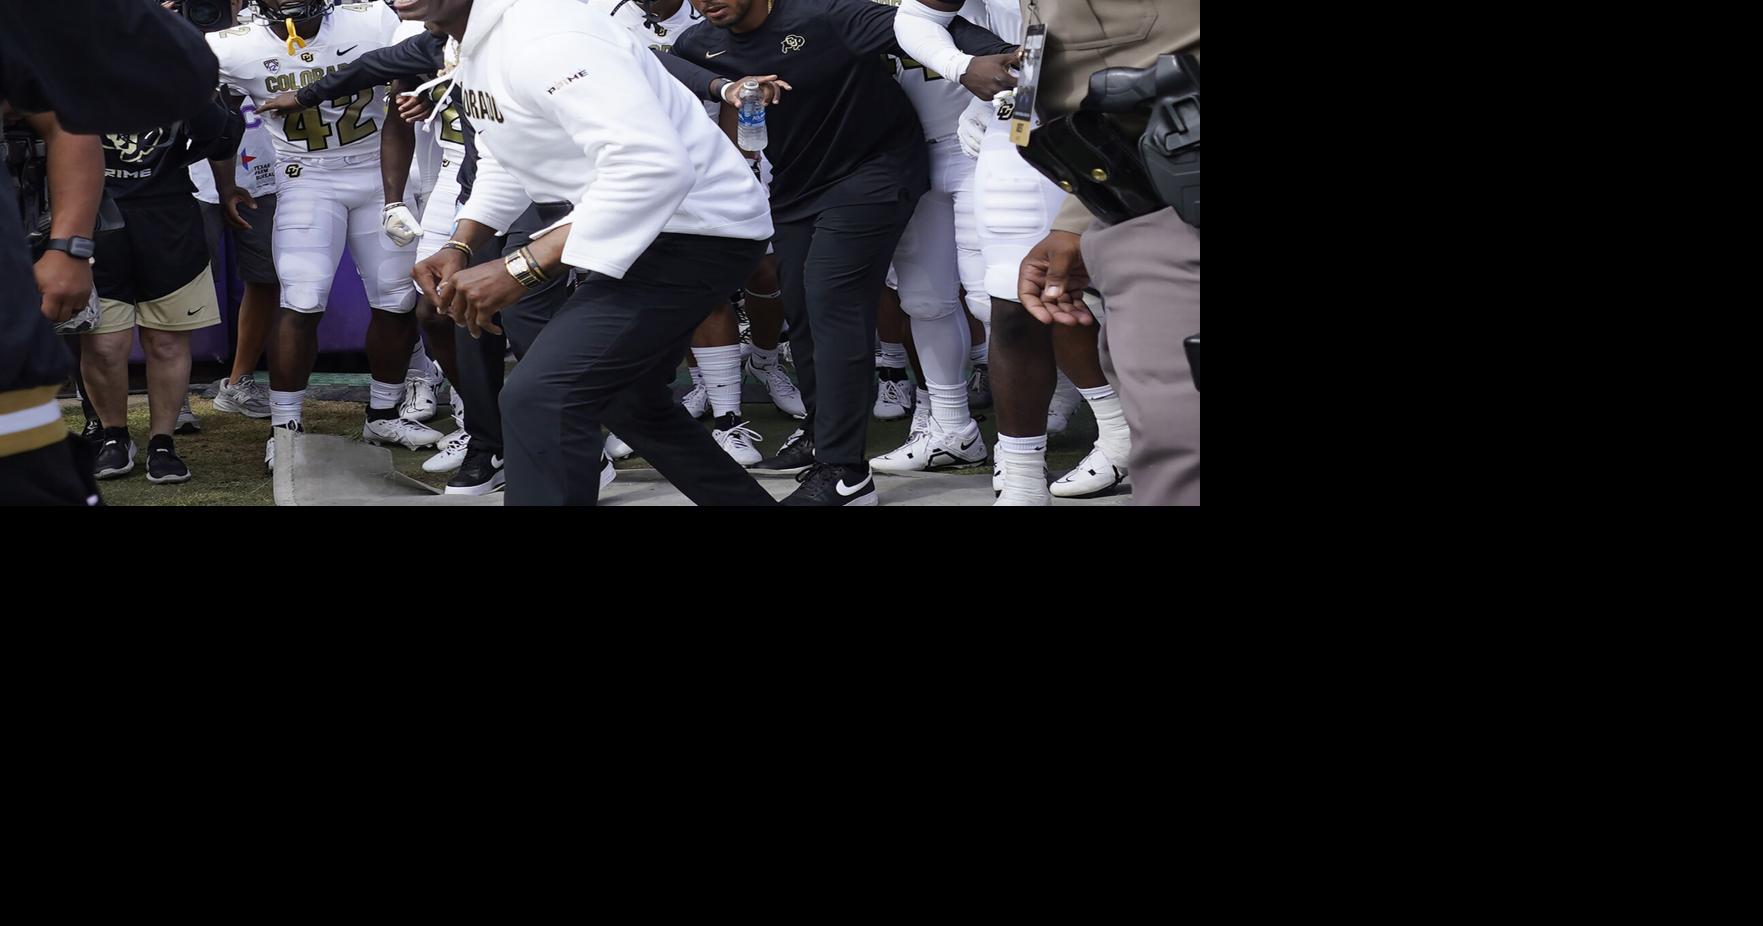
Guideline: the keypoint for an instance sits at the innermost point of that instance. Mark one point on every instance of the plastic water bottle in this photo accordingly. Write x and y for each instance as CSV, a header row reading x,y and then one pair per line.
x,y
751,132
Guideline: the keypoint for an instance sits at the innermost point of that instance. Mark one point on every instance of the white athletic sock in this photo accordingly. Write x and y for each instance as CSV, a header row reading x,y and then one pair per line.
x,y
697,373
721,368
1025,462
981,352
285,406
382,396
763,359
948,405
891,356
1112,433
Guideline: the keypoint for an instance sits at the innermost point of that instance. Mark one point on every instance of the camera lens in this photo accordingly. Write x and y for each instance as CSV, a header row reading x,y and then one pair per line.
x,y
205,14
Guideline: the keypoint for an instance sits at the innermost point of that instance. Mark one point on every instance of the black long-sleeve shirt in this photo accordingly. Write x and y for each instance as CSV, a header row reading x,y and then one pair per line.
x,y
847,133
86,61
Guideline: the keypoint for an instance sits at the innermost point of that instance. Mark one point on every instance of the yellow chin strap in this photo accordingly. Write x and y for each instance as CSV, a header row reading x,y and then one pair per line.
x,y
294,39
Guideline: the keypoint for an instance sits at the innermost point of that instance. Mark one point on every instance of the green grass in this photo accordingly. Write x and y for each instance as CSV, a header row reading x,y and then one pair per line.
x,y
226,458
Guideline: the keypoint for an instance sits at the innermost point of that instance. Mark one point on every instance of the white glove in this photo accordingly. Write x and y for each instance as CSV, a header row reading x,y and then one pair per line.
x,y
971,127
400,224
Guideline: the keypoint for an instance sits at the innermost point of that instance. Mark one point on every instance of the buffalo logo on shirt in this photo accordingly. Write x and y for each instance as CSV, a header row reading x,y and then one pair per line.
x,y
271,65
133,149
793,43
292,170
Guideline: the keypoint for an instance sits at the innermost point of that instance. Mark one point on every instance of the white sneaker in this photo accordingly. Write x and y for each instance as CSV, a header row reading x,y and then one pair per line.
x,y
409,434
246,397
419,399
920,419
617,449
783,392
188,423
738,440
934,448
1096,474
893,399
269,448
697,402
608,472
783,354
1066,399
452,453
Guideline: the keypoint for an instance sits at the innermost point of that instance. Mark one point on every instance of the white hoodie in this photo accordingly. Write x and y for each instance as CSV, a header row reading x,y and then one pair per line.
x,y
570,106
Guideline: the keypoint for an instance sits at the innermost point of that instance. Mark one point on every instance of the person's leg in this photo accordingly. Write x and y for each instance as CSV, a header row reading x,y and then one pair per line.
x,y
255,260
613,337
104,363
1148,271
311,231
791,242
186,302
1106,465
894,394
391,330
168,376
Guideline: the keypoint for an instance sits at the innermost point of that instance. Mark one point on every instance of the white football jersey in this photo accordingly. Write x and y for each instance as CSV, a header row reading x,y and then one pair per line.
x,y
939,100
254,61
1006,19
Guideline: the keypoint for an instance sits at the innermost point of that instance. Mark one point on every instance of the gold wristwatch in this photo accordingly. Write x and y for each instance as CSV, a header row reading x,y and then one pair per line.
x,y
525,269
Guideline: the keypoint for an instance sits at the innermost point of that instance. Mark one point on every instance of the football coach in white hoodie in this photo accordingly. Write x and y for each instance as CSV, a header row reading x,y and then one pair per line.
x,y
668,220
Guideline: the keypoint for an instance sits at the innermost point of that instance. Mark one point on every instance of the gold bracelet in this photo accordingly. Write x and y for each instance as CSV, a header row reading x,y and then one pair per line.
x,y
533,265
461,246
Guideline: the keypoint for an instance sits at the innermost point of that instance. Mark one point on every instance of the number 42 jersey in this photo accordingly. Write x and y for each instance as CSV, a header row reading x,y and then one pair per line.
x,y
254,61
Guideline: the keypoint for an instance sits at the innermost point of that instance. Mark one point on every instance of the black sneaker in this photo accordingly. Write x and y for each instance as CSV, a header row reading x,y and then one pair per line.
x,y
795,456
93,432
116,455
825,486
163,464
480,474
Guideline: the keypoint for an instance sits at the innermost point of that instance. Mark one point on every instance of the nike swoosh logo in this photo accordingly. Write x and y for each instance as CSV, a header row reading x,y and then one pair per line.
x,y
968,444
343,51
854,489
192,311
723,52
495,461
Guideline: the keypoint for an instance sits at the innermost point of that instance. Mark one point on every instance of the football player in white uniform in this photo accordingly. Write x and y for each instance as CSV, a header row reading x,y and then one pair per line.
x,y
329,196
1014,208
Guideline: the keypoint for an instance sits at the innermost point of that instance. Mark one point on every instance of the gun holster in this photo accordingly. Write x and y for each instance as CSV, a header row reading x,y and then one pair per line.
x,y
1133,147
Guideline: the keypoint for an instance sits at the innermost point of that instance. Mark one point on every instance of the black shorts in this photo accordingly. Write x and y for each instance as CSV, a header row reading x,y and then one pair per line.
x,y
159,250
251,254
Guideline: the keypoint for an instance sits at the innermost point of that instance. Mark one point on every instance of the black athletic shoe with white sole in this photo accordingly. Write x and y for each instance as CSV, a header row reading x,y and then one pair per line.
x,y
480,474
796,455
163,464
825,486
116,456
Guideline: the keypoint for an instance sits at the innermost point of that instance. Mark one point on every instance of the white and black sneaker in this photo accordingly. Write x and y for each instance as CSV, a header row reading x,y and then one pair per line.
x,y
826,486
779,387
188,423
116,455
934,448
617,449
421,398
795,456
608,472
737,439
893,397
480,474
452,453
697,402
163,464
269,449
408,434
1097,474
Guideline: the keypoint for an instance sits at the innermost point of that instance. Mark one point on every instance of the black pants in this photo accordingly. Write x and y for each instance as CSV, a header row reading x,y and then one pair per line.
x,y
481,359
609,356
832,267
59,474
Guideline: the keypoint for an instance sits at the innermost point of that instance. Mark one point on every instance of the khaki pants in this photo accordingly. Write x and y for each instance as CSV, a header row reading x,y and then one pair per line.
x,y
1148,271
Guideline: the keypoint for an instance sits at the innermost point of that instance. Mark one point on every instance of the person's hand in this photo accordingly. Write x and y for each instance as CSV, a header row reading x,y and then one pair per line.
x,y
987,74
473,297
970,129
400,224
430,272
414,107
1051,281
770,89
280,105
65,282
230,203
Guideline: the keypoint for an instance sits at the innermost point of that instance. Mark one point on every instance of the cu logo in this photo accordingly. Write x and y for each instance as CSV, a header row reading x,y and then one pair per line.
x,y
793,43
293,170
